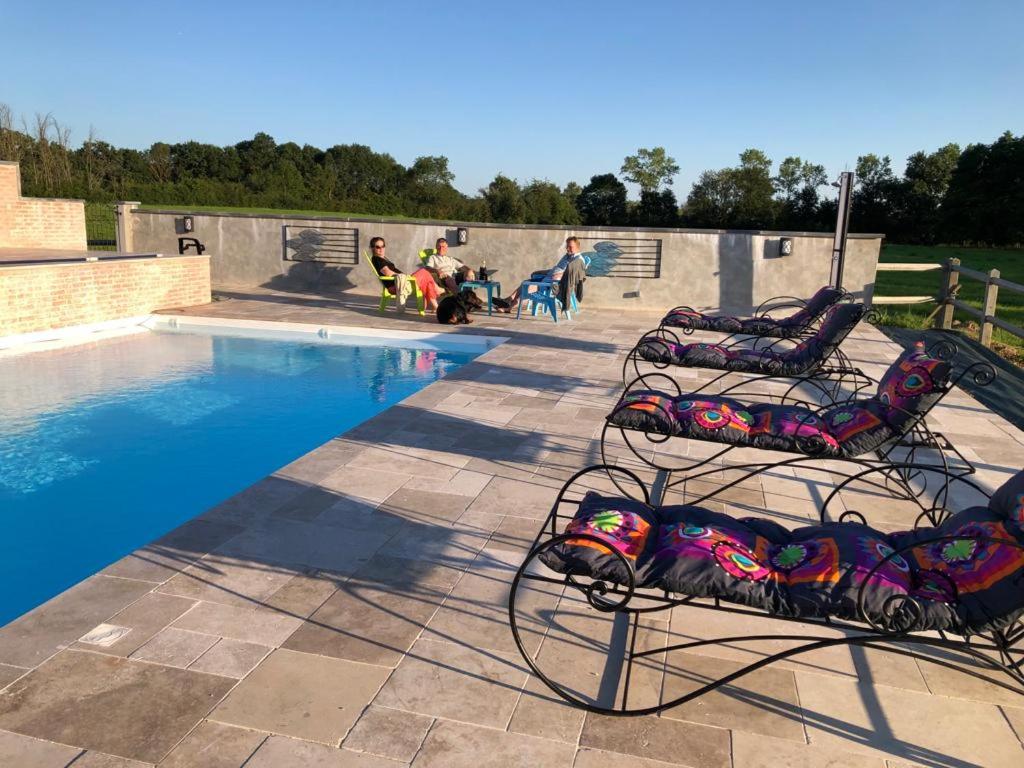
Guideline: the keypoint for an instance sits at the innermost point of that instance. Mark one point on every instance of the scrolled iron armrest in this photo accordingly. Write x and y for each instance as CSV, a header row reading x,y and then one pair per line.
x,y
981,373
660,335
642,380
608,469
778,302
937,469
904,608
598,588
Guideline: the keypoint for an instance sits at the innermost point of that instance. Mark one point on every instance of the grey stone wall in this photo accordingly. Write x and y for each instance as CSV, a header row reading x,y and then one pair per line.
x,y
704,268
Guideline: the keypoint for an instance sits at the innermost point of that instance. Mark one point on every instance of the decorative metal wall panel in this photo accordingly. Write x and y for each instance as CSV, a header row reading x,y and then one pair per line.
x,y
623,257
330,245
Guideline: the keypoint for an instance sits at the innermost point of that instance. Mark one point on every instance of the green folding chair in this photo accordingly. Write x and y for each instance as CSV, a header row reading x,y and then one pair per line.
x,y
389,280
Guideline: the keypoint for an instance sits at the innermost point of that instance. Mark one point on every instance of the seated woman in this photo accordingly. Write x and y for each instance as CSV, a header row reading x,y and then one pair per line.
x,y
572,250
422,276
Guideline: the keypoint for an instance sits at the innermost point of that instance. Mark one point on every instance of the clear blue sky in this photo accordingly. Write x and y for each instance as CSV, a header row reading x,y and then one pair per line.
x,y
555,90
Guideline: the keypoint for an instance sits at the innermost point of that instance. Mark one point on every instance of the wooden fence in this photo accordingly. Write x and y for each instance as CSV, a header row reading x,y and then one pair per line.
x,y
947,297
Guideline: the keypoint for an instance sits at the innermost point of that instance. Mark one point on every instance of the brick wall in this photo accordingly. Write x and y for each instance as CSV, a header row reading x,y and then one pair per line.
x,y
30,222
40,297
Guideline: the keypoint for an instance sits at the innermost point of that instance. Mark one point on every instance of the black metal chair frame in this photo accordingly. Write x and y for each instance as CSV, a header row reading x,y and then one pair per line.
x,y
894,634
917,436
761,313
830,378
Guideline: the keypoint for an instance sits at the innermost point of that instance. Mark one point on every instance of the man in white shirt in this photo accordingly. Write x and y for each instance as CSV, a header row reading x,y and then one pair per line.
x,y
450,272
572,251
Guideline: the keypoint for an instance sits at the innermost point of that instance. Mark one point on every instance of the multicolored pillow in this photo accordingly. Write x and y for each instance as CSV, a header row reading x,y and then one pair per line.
x,y
791,428
858,427
966,565
712,418
624,525
645,410
912,385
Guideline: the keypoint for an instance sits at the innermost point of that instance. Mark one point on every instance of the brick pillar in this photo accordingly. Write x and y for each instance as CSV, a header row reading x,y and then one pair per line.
x,y
124,226
10,181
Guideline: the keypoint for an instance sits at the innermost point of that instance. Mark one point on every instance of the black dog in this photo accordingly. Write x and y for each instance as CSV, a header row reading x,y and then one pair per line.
x,y
454,310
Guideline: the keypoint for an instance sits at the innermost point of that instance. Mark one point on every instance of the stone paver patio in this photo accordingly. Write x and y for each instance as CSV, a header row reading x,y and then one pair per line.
x,y
350,609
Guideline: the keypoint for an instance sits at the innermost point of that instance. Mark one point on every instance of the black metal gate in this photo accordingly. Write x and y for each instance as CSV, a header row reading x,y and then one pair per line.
x,y
101,226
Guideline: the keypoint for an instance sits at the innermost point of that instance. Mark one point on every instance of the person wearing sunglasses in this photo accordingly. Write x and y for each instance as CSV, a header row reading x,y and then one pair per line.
x,y
385,267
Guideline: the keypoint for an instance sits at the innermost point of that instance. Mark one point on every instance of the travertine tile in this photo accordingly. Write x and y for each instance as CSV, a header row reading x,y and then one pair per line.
x,y
214,745
56,624
359,483
26,752
657,738
540,712
367,624
301,695
100,760
298,544
460,745
145,618
171,553
760,751
174,647
877,720
110,705
456,682
281,752
388,733
230,658
597,758
303,593
228,580
9,674
1015,716
262,626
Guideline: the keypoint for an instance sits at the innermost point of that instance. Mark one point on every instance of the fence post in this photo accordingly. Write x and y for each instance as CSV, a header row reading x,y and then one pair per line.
x,y
124,225
989,307
948,292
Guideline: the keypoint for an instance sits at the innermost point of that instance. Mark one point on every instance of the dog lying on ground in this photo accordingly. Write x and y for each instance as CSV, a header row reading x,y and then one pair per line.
x,y
454,310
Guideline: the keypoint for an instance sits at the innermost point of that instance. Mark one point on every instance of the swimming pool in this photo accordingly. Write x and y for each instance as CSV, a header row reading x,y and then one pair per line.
x,y
106,446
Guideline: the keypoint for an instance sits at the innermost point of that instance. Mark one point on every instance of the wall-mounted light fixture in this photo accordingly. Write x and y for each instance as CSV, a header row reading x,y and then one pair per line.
x,y
187,224
785,246
463,235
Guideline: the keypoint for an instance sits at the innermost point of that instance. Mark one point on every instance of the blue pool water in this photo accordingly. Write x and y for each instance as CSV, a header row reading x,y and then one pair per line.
x,y
105,447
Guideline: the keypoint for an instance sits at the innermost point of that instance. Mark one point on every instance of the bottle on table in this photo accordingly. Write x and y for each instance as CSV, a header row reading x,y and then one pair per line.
x,y
483,272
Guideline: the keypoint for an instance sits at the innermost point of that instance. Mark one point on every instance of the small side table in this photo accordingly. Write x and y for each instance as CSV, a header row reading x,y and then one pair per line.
x,y
491,286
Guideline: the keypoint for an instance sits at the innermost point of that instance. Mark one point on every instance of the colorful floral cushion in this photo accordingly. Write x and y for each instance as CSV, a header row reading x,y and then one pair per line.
x,y
791,428
968,582
912,385
859,427
624,525
712,418
646,411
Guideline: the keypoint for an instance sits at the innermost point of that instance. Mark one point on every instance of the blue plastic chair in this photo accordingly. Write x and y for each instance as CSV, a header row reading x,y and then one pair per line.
x,y
545,297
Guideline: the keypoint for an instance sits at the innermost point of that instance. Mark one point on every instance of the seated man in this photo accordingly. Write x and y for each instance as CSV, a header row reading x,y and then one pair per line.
x,y
572,252
448,270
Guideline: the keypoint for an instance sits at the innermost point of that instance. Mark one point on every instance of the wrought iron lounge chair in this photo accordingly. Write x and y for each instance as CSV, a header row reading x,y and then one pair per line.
x,y
954,589
763,324
894,417
390,281
818,357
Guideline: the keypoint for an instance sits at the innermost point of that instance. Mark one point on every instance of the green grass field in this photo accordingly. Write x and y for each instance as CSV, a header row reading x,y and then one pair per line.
x,y
1010,306
277,211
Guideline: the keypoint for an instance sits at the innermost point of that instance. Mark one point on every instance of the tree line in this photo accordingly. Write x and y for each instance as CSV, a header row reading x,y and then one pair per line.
x,y
974,195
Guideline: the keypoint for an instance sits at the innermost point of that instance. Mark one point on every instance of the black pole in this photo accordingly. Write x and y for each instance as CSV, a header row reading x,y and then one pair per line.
x,y
842,225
